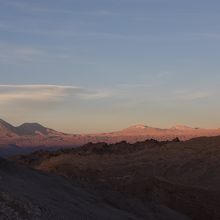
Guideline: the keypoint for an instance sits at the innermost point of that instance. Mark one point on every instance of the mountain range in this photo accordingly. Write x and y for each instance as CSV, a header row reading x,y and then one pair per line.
x,y
26,129
30,136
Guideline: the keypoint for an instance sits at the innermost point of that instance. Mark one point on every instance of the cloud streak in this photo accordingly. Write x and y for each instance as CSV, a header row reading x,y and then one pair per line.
x,y
208,35
11,53
35,7
189,95
47,93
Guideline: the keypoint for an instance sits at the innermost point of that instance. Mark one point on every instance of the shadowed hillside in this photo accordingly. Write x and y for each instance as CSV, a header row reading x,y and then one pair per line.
x,y
181,175
32,195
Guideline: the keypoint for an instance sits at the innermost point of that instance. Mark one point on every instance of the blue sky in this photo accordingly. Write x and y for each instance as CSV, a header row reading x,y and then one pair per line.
x,y
101,65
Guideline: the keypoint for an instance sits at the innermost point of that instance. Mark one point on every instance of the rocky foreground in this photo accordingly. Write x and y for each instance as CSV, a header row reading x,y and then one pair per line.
x,y
181,175
34,195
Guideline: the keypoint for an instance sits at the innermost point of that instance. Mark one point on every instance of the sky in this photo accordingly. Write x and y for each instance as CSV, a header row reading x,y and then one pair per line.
x,y
83,66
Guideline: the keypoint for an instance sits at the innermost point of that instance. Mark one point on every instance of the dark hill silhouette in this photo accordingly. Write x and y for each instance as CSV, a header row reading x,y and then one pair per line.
x,y
24,129
6,129
32,129
5,125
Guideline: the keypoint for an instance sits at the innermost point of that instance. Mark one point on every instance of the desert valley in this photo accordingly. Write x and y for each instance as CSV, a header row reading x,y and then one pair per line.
x,y
138,173
109,110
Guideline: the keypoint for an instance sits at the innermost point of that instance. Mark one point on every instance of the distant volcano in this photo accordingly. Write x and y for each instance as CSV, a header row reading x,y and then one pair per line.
x,y
24,129
34,135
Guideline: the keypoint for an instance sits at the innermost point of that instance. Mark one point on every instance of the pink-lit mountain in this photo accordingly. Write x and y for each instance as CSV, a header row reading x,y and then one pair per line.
x,y
35,135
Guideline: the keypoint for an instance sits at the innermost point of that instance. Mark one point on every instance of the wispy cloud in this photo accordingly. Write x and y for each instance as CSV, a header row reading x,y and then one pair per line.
x,y
31,7
45,93
190,95
13,53
27,6
209,35
22,54
153,81
66,32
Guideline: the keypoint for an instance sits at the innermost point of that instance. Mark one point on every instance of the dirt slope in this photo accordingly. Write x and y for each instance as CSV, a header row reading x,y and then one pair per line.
x,y
29,194
181,175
